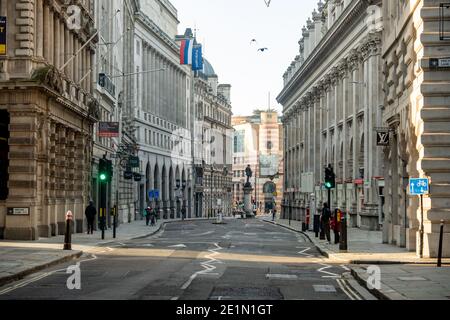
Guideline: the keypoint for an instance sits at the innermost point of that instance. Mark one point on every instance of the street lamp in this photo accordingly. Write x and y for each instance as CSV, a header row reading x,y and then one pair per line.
x,y
225,174
211,191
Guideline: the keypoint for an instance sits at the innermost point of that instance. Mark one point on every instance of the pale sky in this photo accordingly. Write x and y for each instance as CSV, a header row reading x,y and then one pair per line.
x,y
226,27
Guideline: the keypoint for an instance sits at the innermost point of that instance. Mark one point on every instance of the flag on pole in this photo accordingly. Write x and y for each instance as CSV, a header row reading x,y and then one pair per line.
x,y
197,58
186,51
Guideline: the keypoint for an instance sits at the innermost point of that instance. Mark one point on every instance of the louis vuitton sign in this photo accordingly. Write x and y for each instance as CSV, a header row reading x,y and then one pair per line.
x,y
383,136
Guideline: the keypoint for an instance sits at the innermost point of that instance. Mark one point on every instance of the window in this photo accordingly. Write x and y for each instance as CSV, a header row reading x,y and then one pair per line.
x,y
239,137
138,47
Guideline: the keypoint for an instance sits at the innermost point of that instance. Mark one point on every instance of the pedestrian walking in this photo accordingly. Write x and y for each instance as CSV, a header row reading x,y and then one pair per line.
x,y
274,214
335,225
147,215
90,214
183,213
152,217
325,219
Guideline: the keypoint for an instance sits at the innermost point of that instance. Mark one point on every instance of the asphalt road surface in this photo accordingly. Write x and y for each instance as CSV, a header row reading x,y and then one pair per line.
x,y
198,260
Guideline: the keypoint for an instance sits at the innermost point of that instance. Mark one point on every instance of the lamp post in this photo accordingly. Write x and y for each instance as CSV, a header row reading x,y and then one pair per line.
x,y
225,187
211,192
183,199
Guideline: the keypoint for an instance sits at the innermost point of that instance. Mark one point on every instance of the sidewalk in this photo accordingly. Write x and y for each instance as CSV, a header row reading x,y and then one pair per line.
x,y
22,258
403,275
364,247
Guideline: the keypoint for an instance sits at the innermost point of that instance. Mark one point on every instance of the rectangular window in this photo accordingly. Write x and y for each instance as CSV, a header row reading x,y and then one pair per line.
x,y
239,138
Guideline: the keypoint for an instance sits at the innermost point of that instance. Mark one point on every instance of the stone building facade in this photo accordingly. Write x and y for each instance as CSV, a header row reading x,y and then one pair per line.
x,y
333,101
161,113
417,111
212,144
49,112
111,54
258,142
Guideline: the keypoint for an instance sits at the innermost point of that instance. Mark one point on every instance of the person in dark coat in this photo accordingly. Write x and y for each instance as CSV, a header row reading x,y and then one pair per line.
x,y
90,214
325,219
183,213
148,215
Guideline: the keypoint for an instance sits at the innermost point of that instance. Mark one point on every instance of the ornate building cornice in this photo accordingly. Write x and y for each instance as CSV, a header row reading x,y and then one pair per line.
x,y
331,40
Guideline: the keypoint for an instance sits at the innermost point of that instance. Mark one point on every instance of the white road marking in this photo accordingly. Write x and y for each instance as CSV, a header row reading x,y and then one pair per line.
x,y
344,290
350,289
327,266
178,246
345,268
202,234
282,276
347,290
175,298
207,265
39,277
324,288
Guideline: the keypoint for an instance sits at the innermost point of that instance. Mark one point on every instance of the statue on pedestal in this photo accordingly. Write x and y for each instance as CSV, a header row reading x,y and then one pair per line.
x,y
248,173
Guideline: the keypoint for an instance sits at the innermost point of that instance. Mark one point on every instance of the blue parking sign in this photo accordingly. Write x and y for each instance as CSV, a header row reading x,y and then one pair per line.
x,y
418,187
153,194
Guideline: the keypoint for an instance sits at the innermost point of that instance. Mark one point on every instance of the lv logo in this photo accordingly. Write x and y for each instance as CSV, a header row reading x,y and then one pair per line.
x,y
382,138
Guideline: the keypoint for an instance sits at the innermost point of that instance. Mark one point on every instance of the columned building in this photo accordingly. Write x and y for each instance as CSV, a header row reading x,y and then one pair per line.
x,y
333,102
417,112
47,116
258,142
212,144
161,111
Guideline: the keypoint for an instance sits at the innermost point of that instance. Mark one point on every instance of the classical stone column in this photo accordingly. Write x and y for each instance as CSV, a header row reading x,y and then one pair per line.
x,y
57,45
61,178
371,53
40,28
343,72
46,33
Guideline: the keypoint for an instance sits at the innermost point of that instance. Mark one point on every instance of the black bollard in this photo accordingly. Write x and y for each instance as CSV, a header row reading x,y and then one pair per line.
x,y
68,234
114,221
343,243
316,225
322,231
102,222
441,238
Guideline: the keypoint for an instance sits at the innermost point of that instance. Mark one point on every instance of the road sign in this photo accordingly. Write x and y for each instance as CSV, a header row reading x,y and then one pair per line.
x,y
153,194
108,129
3,36
419,187
133,162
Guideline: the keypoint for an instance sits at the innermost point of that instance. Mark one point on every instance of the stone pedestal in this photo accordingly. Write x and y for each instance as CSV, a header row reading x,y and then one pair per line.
x,y
248,206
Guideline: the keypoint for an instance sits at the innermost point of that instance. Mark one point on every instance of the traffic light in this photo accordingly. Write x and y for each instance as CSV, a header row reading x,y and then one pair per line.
x,y
330,178
103,170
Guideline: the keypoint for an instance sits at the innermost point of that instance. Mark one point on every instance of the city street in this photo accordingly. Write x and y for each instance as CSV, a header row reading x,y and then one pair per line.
x,y
198,260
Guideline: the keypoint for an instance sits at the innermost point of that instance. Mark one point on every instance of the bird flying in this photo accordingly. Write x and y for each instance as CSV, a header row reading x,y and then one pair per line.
x,y
267,2
262,49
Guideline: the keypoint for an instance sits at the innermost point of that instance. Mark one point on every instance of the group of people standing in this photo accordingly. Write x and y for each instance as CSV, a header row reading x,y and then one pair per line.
x,y
328,221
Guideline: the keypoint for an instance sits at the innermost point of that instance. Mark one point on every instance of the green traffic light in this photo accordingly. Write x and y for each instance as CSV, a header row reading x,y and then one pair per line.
x,y
102,177
328,185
